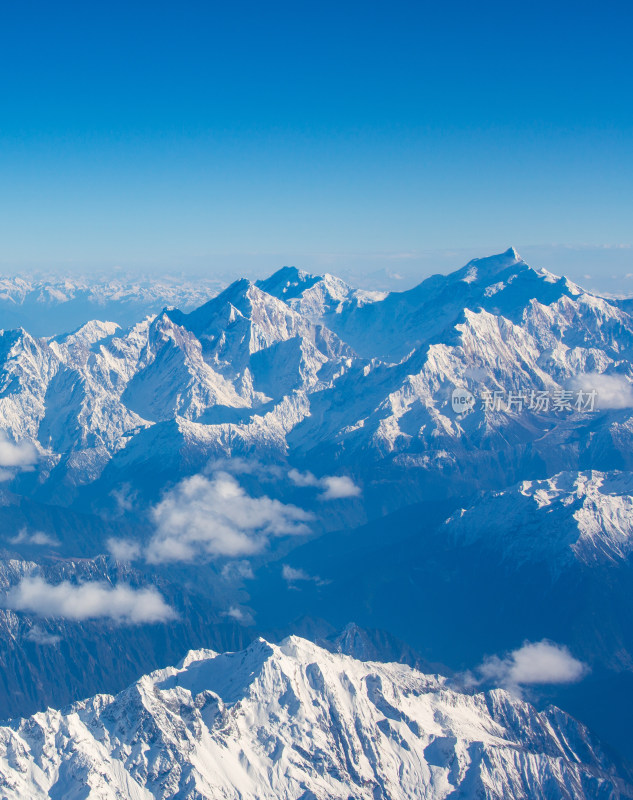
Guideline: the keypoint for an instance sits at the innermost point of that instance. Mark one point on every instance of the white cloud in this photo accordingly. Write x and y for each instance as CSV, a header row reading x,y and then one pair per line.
x,y
207,517
124,497
237,570
124,549
612,391
303,478
92,600
39,636
15,457
20,454
245,466
291,574
335,487
239,615
534,663
38,538
294,575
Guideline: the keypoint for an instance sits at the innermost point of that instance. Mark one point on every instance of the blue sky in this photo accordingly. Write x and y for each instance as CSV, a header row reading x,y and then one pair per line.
x,y
368,137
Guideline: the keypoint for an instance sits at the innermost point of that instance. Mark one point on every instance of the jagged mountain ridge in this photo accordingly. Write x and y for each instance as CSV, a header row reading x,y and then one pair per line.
x,y
253,373
294,721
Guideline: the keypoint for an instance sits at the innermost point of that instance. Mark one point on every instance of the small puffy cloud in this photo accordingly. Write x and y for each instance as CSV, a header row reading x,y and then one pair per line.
x,y
239,615
303,478
40,636
532,664
210,517
124,549
612,391
91,600
237,570
293,575
37,538
16,454
15,457
335,487
124,497
245,466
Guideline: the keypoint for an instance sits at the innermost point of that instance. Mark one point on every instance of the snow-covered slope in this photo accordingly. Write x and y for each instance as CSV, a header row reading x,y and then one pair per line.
x,y
294,721
324,299
586,516
401,321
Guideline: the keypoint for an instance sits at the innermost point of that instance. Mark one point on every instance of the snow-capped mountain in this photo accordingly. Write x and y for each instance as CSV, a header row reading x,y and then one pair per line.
x,y
249,373
294,721
323,299
586,516
259,453
402,321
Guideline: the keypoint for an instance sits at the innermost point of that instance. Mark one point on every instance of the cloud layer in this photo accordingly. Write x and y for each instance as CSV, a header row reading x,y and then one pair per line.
x,y
208,517
92,600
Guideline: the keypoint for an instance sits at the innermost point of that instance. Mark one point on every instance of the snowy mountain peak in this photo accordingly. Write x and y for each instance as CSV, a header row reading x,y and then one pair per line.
x,y
483,269
242,299
294,721
288,283
340,404
202,654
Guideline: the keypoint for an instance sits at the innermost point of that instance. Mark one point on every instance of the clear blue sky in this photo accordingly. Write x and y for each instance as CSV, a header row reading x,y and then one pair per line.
x,y
202,136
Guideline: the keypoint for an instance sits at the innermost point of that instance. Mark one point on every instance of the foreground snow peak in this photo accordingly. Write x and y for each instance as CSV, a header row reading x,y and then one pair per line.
x,y
295,721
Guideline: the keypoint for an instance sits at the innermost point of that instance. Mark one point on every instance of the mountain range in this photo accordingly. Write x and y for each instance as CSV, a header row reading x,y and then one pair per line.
x,y
286,456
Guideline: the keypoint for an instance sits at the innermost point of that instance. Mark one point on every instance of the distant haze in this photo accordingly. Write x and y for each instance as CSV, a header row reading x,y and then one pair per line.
x,y
604,269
